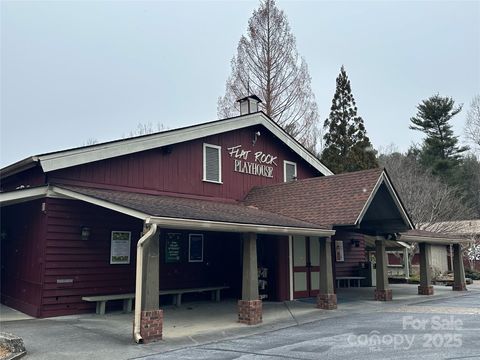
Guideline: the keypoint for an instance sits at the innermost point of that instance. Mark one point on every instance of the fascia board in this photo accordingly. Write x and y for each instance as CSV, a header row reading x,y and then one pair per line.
x,y
19,166
205,225
383,178
16,196
433,241
368,202
99,202
68,158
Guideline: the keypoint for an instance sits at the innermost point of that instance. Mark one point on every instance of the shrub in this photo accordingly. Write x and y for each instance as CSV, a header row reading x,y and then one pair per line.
x,y
472,274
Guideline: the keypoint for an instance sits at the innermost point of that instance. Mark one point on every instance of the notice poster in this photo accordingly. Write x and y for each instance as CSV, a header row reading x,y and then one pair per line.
x,y
172,248
339,256
195,248
120,247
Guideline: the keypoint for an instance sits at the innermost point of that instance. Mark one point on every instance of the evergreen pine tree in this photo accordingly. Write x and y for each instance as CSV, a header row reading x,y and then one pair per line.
x,y
347,146
440,151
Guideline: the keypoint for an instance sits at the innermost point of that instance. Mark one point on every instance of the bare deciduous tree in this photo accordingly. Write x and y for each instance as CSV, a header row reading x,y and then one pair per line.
x,y
145,129
267,64
432,204
472,126
90,141
141,129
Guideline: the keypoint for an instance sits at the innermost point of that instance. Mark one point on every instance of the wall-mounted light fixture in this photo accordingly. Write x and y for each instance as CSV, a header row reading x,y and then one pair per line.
x,y
255,138
85,232
355,242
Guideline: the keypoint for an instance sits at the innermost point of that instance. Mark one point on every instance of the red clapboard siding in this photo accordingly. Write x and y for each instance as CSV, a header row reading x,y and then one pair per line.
x,y
22,256
353,255
181,170
86,262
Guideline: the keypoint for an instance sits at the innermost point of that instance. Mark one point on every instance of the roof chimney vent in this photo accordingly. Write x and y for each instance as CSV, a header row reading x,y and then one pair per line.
x,y
249,104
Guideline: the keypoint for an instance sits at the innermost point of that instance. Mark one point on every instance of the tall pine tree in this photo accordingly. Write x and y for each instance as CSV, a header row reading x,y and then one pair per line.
x,y
347,146
440,151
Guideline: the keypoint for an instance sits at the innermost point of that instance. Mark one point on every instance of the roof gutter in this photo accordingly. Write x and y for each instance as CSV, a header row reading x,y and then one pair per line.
x,y
139,281
206,225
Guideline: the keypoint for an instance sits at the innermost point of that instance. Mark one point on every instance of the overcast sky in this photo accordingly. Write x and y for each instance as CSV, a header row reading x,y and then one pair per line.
x,y
71,71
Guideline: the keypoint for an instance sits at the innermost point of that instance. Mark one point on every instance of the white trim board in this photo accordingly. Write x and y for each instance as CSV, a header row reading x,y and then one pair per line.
x,y
383,178
67,158
431,240
21,195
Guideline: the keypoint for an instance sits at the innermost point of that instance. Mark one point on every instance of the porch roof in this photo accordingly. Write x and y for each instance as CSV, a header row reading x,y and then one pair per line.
x,y
194,214
433,237
361,199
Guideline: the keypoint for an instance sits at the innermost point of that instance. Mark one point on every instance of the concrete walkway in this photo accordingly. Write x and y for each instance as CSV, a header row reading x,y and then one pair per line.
x,y
9,314
110,336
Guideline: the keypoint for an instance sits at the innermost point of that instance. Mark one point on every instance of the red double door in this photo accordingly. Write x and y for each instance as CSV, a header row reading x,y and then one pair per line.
x,y
306,266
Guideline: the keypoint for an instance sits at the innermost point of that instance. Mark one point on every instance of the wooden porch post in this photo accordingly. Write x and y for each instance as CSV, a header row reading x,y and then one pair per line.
x,y
382,292
326,299
151,318
250,306
458,269
425,287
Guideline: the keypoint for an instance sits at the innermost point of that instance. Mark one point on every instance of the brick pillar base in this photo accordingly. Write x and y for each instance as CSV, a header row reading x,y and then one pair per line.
x,y
250,312
425,290
327,301
151,325
461,287
383,295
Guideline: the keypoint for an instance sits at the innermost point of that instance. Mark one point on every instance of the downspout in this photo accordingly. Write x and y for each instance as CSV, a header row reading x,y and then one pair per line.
x,y
139,281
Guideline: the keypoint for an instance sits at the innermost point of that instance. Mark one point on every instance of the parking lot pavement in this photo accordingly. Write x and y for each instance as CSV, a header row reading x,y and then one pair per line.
x,y
435,329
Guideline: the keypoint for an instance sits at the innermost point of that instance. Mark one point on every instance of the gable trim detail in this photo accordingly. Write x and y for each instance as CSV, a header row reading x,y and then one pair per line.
x,y
384,179
78,156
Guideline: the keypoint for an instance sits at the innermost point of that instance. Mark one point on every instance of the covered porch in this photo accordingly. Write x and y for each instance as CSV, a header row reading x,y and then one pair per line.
x,y
228,236
368,216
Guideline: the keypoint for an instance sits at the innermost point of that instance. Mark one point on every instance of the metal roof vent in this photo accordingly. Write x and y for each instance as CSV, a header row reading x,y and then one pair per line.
x,y
249,104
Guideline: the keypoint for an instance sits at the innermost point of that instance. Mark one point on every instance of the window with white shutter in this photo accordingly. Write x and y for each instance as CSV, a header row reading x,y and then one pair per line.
x,y
289,171
212,163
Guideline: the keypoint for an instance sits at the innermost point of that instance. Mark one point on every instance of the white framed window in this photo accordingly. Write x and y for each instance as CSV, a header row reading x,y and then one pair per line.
x,y
212,163
394,259
195,248
289,171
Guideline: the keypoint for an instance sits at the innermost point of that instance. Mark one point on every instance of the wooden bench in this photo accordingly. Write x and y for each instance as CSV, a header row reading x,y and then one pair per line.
x,y
356,279
177,293
101,300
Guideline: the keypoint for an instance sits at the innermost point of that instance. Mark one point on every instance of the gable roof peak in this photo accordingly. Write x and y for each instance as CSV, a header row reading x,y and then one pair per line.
x,y
82,155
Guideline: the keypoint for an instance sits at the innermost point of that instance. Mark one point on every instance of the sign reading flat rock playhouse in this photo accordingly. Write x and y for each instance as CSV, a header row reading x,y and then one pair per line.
x,y
254,163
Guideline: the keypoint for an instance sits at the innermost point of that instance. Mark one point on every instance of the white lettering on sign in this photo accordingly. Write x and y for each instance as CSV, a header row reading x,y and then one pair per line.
x,y
261,165
238,153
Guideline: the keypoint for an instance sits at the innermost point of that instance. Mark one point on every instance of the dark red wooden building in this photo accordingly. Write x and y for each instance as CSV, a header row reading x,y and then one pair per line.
x,y
71,220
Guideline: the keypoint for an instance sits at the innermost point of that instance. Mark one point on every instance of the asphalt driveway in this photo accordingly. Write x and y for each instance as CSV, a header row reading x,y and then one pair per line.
x,y
437,329
443,326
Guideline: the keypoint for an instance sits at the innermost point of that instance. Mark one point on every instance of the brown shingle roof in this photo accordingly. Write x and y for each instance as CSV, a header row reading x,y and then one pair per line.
x,y
329,200
187,208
